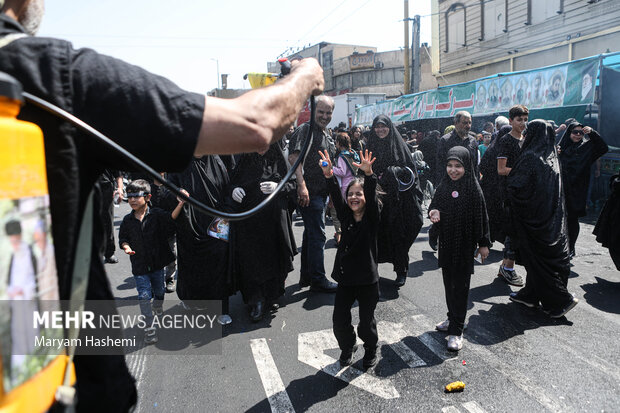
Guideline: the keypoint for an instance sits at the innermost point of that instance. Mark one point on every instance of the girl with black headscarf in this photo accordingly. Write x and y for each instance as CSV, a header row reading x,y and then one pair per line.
x,y
577,154
401,217
459,212
263,245
537,213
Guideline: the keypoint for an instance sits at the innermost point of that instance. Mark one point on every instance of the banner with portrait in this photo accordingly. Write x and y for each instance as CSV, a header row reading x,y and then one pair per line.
x,y
566,84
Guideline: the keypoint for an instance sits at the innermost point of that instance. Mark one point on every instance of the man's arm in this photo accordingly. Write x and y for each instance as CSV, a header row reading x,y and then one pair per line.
x,y
302,190
260,117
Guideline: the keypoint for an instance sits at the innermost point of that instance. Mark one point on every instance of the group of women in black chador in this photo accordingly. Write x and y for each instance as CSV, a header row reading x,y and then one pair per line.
x,y
217,258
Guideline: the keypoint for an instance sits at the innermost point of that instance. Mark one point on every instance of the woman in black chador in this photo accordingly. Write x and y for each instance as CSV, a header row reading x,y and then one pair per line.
x,y
607,229
401,217
580,147
537,213
202,245
460,216
493,187
263,245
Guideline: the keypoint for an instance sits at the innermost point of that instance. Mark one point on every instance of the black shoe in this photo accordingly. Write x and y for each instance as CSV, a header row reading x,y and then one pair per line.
x,y
258,311
111,260
370,359
171,285
401,279
304,281
324,286
560,313
273,307
433,243
515,298
346,356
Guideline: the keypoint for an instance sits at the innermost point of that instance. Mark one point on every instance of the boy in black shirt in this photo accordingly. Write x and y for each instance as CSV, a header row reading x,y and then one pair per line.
x,y
509,148
144,235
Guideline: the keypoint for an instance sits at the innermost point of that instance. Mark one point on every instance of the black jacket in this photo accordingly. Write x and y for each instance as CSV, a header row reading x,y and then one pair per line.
x,y
356,258
149,239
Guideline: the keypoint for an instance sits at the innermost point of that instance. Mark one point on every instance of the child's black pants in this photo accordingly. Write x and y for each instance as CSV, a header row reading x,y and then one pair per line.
x,y
456,284
367,297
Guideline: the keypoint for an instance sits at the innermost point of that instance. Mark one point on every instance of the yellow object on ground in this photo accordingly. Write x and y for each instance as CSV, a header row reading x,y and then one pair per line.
x,y
455,386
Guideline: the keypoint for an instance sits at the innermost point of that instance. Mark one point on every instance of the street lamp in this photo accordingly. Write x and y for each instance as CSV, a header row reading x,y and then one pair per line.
x,y
218,71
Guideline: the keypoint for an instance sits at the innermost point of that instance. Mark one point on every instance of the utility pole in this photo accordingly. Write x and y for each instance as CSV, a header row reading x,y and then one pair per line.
x,y
416,66
406,50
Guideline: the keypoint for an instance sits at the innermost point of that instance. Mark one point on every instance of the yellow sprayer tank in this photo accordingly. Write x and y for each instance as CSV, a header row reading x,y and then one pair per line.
x,y
29,377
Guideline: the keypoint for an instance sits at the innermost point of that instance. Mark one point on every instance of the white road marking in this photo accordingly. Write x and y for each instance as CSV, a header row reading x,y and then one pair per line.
x,y
473,407
269,375
392,334
450,409
311,350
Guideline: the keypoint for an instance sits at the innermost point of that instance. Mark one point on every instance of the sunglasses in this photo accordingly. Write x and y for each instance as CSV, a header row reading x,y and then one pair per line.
x,y
577,132
137,194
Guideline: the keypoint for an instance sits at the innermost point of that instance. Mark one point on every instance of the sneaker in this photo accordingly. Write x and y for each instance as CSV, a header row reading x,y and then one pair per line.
x,y
443,326
401,279
510,276
224,319
514,297
171,285
150,335
346,356
455,343
111,260
563,311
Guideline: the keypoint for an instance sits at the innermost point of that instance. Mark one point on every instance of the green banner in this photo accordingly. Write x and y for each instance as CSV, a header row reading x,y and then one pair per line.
x,y
567,84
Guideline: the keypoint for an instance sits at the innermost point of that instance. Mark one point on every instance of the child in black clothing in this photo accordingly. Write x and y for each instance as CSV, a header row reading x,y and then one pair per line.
x,y
355,267
144,235
459,212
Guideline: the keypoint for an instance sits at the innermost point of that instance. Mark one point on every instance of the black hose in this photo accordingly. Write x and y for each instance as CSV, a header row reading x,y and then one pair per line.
x,y
55,110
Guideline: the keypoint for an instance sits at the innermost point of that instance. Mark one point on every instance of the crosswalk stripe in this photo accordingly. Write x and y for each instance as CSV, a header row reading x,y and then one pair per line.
x,y
473,407
392,336
272,382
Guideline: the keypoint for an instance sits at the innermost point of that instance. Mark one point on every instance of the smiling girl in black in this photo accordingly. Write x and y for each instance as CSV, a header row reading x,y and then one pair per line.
x,y
355,267
459,211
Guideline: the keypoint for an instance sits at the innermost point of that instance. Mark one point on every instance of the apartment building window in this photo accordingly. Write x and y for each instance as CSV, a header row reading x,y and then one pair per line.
x,y
494,18
455,27
539,11
328,60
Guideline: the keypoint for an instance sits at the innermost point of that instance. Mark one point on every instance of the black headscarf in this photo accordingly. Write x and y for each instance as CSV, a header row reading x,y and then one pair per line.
x,y
576,159
389,151
464,222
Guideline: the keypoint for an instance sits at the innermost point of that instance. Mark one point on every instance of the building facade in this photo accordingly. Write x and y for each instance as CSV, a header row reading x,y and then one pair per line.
x,y
479,38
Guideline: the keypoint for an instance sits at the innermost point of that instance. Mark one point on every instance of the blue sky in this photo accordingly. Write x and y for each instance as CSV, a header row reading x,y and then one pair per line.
x,y
182,40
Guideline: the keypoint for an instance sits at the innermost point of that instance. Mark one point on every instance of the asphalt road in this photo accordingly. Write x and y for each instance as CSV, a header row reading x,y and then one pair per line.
x,y
514,359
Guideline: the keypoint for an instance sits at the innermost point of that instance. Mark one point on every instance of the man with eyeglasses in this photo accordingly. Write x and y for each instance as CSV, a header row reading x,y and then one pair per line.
x,y
580,147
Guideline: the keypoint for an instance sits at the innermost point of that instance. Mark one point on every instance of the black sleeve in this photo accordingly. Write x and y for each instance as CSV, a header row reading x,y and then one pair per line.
x,y
146,114
123,234
336,196
599,149
370,193
297,140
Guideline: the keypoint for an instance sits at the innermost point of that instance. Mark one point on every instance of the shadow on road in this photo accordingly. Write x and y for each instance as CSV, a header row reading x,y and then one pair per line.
x,y
603,295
